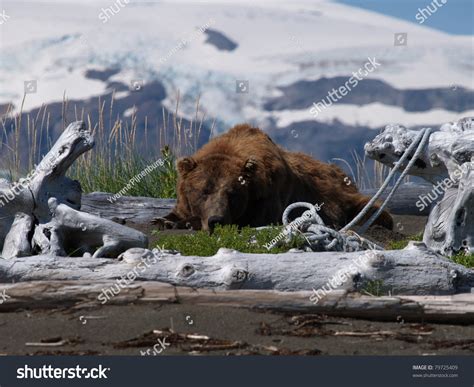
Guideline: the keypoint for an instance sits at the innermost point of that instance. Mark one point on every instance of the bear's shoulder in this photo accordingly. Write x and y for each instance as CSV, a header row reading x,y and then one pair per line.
x,y
248,131
243,142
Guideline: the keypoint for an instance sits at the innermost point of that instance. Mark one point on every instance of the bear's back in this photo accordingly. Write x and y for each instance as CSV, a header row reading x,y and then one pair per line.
x,y
244,142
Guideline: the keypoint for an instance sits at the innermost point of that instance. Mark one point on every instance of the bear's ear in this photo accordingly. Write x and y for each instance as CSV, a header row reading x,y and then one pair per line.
x,y
250,166
186,165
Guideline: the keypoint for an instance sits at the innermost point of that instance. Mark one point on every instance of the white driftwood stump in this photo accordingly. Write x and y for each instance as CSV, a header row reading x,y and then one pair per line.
x,y
447,163
41,212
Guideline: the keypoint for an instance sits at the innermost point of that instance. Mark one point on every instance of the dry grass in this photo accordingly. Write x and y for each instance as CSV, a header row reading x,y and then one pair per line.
x,y
117,155
368,174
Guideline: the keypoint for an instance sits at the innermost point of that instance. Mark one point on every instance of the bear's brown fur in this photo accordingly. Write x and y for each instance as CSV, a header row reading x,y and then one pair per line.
x,y
242,177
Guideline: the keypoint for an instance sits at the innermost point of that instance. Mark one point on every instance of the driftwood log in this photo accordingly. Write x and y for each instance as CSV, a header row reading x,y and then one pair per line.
x,y
414,270
126,209
41,212
447,162
80,294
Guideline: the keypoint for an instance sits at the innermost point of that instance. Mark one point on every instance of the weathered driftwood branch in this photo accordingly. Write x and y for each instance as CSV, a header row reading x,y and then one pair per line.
x,y
458,309
24,209
415,270
447,164
449,147
75,231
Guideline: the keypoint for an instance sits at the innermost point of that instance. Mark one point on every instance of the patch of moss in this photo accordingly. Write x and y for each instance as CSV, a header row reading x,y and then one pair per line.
x,y
245,240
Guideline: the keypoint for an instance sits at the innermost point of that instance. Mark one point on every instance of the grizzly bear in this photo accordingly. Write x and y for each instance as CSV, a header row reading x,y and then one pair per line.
x,y
242,177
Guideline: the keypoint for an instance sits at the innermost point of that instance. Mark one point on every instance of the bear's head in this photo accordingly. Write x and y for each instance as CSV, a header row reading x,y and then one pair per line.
x,y
215,189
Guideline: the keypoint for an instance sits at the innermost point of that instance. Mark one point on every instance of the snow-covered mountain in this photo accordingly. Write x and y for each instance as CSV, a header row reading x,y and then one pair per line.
x,y
260,61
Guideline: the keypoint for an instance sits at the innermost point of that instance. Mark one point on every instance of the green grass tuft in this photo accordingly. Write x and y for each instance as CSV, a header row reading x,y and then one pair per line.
x,y
400,245
103,177
463,259
245,240
373,288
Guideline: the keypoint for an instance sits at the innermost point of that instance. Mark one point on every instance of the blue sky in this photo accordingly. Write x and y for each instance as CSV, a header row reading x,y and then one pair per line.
x,y
454,17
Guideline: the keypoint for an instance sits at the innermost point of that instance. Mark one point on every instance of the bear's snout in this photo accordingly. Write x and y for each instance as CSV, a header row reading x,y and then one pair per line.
x,y
213,221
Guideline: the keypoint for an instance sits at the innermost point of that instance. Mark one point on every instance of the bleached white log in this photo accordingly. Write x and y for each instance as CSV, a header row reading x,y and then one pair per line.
x,y
414,270
72,232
